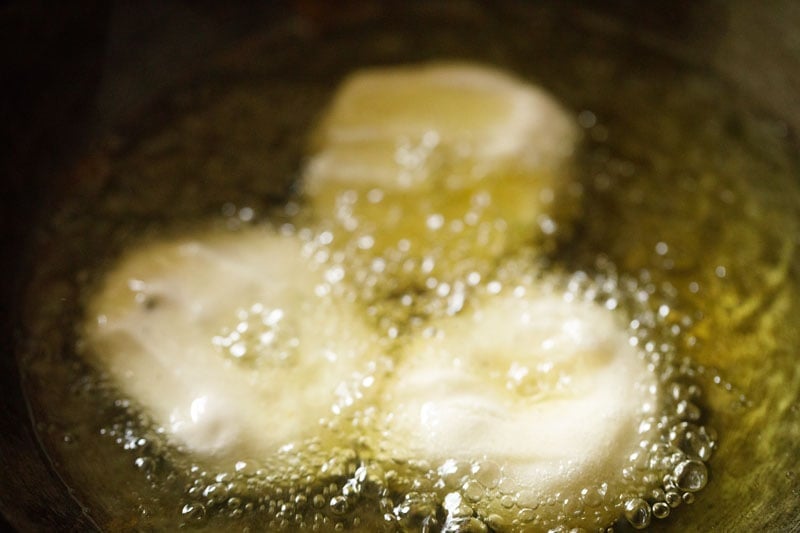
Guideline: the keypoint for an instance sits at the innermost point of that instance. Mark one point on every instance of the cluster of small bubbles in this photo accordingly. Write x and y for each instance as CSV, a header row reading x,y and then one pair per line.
x,y
401,286
261,335
134,432
676,444
309,489
403,261
404,285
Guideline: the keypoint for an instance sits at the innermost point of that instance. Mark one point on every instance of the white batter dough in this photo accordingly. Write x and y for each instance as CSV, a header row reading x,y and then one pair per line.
x,y
229,342
549,389
399,127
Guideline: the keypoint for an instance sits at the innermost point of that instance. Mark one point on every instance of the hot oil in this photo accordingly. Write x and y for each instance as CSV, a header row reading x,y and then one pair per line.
x,y
688,229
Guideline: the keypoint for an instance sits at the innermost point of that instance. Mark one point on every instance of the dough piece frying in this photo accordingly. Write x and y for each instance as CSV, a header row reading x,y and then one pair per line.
x,y
228,342
419,127
548,389
450,164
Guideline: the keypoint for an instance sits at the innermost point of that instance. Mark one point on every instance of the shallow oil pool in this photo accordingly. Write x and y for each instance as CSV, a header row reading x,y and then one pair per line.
x,y
688,227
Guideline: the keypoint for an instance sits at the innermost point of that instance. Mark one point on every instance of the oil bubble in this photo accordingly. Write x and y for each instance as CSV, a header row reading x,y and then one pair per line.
x,y
691,475
638,513
473,491
673,499
661,510
194,511
418,511
339,505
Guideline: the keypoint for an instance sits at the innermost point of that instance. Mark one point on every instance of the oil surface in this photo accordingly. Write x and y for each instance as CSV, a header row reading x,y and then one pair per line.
x,y
689,225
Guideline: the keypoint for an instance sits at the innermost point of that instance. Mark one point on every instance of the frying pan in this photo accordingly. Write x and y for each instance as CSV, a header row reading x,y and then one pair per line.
x,y
71,73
